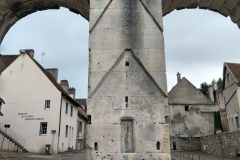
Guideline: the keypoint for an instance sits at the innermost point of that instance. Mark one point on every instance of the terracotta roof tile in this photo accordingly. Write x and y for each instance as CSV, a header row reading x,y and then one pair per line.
x,y
81,101
6,60
235,69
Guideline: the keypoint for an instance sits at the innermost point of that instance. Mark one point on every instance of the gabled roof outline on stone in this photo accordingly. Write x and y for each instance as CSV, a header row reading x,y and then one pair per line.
x,y
234,69
131,53
203,98
52,80
6,60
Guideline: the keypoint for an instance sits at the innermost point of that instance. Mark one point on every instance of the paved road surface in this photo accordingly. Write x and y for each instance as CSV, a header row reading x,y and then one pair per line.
x,y
29,156
195,156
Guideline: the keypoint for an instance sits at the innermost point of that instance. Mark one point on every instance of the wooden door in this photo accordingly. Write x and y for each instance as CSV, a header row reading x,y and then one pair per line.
x,y
127,145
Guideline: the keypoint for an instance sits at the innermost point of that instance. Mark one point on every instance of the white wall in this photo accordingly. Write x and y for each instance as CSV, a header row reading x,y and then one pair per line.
x,y
70,140
24,87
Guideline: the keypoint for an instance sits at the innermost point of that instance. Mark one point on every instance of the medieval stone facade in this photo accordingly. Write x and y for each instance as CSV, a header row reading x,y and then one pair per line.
x,y
191,112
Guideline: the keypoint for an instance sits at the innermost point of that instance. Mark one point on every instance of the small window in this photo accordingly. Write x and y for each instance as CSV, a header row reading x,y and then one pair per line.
x,y
126,99
126,63
43,128
228,77
236,122
158,145
79,126
186,108
47,104
95,146
71,112
66,132
89,120
66,111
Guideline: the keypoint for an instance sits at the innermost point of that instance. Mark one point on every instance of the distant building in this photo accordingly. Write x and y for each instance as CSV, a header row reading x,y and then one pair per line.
x,y
39,110
219,100
231,92
81,124
191,112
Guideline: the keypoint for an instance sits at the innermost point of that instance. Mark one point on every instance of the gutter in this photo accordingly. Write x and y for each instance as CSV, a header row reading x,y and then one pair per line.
x,y
59,127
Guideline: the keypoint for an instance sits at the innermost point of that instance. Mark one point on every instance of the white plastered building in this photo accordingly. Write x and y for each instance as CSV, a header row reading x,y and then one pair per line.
x,y
42,116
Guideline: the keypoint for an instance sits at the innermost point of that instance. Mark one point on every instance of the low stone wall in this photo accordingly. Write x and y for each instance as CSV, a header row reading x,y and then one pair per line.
x,y
188,144
221,144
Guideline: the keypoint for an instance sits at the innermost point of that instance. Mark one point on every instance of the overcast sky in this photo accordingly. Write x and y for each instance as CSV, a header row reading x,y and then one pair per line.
x,y
197,43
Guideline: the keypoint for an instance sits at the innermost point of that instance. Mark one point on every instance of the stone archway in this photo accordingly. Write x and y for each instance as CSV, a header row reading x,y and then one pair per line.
x,y
13,10
224,7
128,79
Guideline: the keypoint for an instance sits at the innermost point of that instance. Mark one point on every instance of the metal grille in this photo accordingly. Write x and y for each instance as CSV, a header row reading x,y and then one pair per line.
x,y
43,128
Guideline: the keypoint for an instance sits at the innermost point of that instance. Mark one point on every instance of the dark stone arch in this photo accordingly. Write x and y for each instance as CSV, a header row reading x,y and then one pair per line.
x,y
13,10
224,7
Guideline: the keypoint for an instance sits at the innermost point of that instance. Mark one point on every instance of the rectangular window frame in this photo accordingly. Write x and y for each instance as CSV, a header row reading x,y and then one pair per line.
x,y
79,126
228,77
186,107
43,128
47,104
71,111
66,109
236,119
66,132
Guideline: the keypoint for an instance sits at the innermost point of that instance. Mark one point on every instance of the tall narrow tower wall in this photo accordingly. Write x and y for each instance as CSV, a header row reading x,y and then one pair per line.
x,y
127,96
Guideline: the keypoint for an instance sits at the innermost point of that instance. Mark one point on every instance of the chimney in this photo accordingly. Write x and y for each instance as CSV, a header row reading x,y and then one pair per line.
x,y
30,52
178,77
72,92
64,84
53,72
210,92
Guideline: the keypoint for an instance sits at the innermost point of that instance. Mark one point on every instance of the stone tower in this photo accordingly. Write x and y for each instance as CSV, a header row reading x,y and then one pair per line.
x,y
127,101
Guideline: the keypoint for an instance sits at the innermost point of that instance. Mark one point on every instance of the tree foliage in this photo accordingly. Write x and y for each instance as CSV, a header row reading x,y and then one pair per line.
x,y
204,89
216,84
219,83
217,121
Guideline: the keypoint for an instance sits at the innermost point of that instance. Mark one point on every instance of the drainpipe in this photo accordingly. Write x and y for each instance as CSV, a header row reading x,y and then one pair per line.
x,y
59,124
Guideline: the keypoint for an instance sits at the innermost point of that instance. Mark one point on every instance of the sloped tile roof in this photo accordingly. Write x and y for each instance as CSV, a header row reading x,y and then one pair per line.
x,y
6,60
184,92
54,82
81,101
235,69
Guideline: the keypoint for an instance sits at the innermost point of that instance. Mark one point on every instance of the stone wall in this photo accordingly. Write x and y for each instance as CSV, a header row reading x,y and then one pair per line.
x,y
188,144
224,143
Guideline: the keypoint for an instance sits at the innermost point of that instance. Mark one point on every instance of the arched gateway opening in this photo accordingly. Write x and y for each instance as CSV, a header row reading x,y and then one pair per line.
x,y
116,69
12,11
